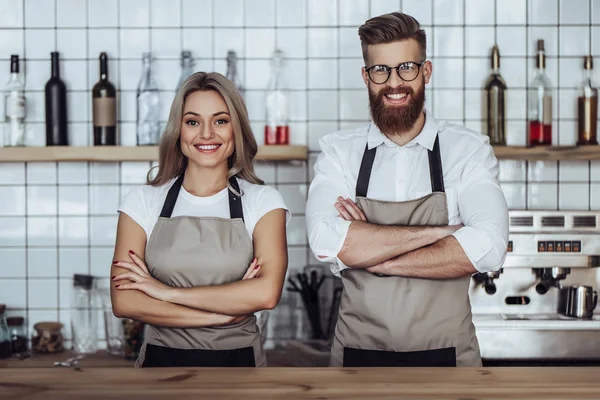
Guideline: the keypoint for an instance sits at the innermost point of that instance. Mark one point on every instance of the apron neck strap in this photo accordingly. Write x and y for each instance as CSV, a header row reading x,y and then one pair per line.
x,y
235,202
435,169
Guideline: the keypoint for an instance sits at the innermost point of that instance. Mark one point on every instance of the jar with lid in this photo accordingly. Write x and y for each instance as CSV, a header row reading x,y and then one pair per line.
x,y
84,316
5,345
48,338
18,336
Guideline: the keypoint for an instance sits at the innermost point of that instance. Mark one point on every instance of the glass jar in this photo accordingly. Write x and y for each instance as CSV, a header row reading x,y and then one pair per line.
x,y
48,338
18,336
133,335
84,316
5,345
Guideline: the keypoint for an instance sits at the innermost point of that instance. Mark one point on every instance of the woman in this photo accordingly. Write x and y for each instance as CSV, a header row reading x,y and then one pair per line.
x,y
202,246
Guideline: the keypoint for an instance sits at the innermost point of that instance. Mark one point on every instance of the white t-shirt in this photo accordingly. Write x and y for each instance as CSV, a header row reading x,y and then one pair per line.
x,y
144,203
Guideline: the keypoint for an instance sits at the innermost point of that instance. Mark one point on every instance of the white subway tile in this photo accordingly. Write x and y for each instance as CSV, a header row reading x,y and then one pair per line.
x,y
39,42
77,102
75,77
515,195
322,13
103,231
595,196
421,10
298,134
71,13
570,72
35,134
73,172
448,104
229,13
200,43
542,196
294,197
134,13
80,132
72,43
568,103
293,14
296,231
13,263
349,43
73,260
297,106
42,293
104,199
38,73
294,74
134,172
165,43
41,231
574,40
448,41
265,170
12,173
354,104
11,42
323,105
101,261
127,134
36,111
165,13
575,11
229,39
574,171
167,73
39,13
103,14
73,200
512,170
101,172
133,43
260,42
543,12
255,101
480,12
351,74
479,41
322,74
41,200
448,12
103,40
65,288
516,133
543,171
14,294
323,42
12,200
41,173
448,73
353,12
292,42
573,196
475,101
296,258
260,13
316,130
567,132
291,173
510,40
12,14
511,12
380,7
73,231
516,104
514,72
596,42
42,262
595,12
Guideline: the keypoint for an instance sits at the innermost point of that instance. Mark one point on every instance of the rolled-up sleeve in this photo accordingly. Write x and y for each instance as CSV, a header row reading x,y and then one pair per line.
x,y
484,212
326,231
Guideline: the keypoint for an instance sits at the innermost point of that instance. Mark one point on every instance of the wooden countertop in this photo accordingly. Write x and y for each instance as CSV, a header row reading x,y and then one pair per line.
x,y
301,383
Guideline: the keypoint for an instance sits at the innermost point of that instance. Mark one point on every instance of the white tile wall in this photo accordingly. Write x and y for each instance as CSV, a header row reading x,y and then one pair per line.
x,y
57,219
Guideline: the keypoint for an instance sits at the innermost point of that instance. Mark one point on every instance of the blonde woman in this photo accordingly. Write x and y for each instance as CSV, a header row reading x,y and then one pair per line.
x,y
201,246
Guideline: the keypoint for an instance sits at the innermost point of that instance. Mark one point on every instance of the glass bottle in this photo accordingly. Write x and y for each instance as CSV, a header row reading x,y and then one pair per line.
x,y
495,88
540,102
5,343
18,336
187,67
276,128
83,315
104,107
14,106
55,93
148,106
232,71
587,106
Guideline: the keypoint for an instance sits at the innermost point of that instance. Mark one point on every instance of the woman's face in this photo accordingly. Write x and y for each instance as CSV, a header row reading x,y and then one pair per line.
x,y
206,130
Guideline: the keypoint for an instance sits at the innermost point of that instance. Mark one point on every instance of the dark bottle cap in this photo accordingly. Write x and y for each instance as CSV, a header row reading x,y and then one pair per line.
x,y
84,281
495,57
55,64
103,65
14,64
2,308
588,63
15,321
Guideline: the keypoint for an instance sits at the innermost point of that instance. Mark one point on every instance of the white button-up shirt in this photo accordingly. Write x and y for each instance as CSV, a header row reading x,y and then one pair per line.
x,y
400,173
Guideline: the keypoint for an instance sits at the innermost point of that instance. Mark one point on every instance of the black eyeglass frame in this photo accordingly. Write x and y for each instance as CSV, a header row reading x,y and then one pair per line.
x,y
397,68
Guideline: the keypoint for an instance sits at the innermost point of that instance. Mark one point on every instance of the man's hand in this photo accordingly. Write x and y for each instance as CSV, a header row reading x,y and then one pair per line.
x,y
349,211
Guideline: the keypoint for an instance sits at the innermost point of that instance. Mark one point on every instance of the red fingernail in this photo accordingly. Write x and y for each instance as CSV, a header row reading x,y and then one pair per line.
x,y
130,251
113,277
117,286
257,267
114,262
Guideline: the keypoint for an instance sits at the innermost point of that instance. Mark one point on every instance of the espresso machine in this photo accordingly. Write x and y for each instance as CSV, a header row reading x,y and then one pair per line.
x,y
539,307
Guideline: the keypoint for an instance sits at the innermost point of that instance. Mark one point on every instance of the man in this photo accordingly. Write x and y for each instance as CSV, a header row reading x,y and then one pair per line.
x,y
406,210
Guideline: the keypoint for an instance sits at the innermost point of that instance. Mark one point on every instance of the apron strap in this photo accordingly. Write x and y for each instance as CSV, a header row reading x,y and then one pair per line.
x,y
435,169
235,202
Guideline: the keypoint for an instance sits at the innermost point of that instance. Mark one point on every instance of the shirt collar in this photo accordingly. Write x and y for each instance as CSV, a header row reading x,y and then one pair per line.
x,y
425,138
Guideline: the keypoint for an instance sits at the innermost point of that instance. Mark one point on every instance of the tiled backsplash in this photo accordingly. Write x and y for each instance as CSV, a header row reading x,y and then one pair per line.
x,y
57,219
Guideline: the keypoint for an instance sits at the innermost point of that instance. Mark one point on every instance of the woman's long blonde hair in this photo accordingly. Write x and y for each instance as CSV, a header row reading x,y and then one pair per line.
x,y
171,160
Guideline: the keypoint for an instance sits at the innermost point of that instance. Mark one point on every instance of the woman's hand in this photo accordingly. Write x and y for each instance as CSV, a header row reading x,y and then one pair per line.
x,y
140,279
349,211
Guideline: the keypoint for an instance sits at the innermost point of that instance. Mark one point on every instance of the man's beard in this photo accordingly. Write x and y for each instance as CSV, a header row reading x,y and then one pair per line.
x,y
396,120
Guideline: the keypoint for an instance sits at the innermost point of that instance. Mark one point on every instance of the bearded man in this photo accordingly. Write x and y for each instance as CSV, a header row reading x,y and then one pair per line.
x,y
405,210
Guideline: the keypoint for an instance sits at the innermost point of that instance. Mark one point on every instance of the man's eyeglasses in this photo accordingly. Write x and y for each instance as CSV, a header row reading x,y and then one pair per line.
x,y
407,71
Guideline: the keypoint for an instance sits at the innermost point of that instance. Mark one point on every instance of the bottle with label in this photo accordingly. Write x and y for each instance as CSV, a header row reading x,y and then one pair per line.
x,y
495,89
277,130
587,107
148,106
14,106
540,103
55,93
104,108
187,67
232,71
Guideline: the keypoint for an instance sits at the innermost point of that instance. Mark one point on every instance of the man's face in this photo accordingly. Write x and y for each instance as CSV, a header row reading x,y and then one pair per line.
x,y
396,104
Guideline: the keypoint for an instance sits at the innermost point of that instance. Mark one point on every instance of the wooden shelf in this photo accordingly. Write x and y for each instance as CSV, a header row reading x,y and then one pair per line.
x,y
123,153
548,153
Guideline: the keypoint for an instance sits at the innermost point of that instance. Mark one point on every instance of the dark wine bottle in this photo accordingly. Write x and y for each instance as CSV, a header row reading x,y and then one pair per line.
x,y
56,107
104,108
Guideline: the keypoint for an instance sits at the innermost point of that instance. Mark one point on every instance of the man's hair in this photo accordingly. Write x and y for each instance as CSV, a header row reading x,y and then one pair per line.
x,y
389,28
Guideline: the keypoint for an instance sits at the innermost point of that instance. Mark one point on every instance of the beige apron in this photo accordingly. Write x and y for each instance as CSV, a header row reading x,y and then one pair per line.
x,y
187,251
398,321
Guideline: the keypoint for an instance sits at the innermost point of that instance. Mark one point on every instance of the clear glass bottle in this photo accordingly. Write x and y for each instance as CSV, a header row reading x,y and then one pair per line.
x,y
277,130
148,106
84,317
232,71
587,106
187,67
540,103
495,89
14,106
18,336
5,342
